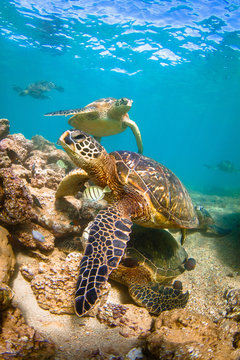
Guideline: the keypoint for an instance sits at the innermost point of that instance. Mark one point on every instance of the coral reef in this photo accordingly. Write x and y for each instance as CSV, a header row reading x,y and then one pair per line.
x,y
53,282
131,320
15,199
4,128
233,304
20,341
44,235
183,335
7,263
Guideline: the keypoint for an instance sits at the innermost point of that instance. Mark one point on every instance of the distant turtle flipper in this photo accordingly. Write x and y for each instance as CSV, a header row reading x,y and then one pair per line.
x,y
211,167
226,166
59,88
219,231
17,88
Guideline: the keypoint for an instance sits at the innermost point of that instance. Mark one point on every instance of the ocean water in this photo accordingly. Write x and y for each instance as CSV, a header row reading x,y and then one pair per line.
x,y
179,61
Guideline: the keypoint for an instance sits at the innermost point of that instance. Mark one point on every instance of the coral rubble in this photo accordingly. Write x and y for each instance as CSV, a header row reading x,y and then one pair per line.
x,y
20,341
183,335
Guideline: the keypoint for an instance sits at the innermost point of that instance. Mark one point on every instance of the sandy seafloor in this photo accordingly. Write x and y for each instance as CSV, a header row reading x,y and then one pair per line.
x,y
217,271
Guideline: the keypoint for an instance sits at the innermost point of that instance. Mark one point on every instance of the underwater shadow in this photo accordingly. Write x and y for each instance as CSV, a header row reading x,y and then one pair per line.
x,y
228,247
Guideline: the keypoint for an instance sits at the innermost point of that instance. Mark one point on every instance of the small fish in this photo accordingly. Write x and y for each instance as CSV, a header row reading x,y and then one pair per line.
x,y
38,236
75,222
95,193
61,164
13,156
36,201
33,170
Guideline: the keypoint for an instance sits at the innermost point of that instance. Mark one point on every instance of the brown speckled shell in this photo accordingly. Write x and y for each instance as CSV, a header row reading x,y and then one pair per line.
x,y
162,189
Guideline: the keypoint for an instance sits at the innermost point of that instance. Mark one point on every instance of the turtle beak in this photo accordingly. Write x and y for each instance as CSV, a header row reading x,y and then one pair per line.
x,y
66,139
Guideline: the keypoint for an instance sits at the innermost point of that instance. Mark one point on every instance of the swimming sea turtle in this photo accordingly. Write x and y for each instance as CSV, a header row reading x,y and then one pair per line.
x,y
38,88
142,191
152,260
207,223
103,117
225,166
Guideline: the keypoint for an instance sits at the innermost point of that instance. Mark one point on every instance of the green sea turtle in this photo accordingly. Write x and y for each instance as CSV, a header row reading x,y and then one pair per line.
x,y
103,117
226,166
207,223
142,191
38,88
150,262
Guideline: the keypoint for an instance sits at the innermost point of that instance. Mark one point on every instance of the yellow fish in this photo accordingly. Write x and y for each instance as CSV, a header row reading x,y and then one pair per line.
x,y
95,193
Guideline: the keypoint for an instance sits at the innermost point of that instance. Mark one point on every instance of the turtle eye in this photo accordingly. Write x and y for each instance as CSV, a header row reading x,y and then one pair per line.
x,y
123,101
79,137
68,140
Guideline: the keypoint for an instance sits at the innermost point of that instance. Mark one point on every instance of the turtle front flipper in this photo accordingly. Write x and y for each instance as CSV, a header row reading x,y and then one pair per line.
x,y
71,183
107,240
136,133
63,112
157,298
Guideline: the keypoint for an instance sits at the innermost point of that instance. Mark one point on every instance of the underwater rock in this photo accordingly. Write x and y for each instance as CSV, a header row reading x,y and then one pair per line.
x,y
58,216
54,282
233,304
17,147
5,162
20,341
183,335
4,128
40,143
7,264
7,258
24,234
42,174
61,159
21,172
131,320
15,199
46,178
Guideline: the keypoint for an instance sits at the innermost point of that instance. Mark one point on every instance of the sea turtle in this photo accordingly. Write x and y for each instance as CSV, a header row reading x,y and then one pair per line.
x,y
38,88
142,191
150,262
207,223
103,117
226,166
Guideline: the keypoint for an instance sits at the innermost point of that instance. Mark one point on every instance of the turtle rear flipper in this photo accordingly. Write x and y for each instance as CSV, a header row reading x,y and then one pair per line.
x,y
107,240
157,298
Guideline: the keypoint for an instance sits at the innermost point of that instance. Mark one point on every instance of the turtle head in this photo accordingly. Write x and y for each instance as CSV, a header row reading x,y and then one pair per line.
x,y
123,105
82,148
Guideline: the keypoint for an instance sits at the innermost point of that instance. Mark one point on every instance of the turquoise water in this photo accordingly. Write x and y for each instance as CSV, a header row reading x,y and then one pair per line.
x,y
178,60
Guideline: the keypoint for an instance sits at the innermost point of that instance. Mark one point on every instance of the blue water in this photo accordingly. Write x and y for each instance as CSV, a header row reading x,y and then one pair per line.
x,y
178,60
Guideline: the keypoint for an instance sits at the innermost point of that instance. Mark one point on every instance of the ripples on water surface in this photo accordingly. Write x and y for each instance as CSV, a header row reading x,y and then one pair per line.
x,y
178,61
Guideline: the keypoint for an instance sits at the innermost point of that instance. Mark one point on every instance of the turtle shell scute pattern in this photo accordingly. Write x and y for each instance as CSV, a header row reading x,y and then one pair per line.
x,y
165,191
